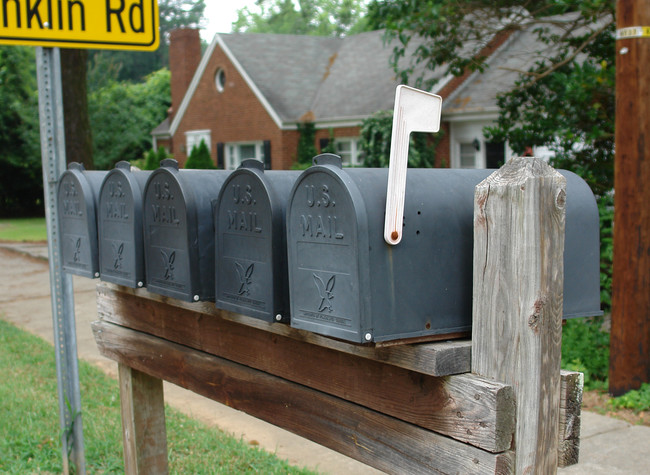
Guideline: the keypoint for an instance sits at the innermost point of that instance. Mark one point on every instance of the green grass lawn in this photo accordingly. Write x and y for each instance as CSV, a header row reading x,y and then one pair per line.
x,y
29,421
23,229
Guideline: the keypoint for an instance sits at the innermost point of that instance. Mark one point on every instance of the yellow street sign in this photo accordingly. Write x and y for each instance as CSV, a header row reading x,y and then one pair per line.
x,y
101,24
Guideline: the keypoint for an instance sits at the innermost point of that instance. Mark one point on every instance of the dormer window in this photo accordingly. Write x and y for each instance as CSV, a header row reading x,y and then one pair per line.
x,y
220,80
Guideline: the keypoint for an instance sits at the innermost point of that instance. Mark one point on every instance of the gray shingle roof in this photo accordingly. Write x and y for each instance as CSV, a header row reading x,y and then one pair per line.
x,y
325,78
287,69
479,93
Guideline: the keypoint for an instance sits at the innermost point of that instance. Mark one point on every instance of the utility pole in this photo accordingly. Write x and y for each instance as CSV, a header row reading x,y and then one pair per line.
x,y
630,334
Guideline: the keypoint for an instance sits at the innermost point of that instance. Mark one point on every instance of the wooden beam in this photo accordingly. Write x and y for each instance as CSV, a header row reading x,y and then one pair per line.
x,y
466,407
519,216
378,440
630,335
571,386
143,422
436,359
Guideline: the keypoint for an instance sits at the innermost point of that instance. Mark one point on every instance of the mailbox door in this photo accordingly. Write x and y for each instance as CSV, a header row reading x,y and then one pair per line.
x,y
328,254
251,268
76,207
168,223
121,248
244,236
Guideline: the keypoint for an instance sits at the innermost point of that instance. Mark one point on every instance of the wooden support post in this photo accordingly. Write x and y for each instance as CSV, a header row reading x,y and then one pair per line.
x,y
519,216
143,422
572,384
630,337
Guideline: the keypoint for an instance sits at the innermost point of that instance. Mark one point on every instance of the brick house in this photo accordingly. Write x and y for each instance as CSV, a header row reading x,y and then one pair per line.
x,y
246,95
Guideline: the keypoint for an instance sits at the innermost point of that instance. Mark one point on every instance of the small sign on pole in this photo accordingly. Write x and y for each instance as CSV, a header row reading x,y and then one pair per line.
x,y
108,24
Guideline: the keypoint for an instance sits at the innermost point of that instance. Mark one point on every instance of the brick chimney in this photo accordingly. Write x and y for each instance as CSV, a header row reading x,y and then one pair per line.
x,y
184,58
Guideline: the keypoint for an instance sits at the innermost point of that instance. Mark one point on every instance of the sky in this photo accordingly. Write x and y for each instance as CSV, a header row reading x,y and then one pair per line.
x,y
220,14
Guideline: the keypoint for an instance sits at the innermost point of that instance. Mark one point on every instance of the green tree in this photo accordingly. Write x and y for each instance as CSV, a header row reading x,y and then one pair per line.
x,y
564,101
376,140
303,17
21,180
306,145
200,158
150,160
122,116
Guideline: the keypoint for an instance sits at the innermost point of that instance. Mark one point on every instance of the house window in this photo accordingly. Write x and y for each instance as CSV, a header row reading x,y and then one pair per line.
x,y
237,152
220,79
468,155
193,139
350,151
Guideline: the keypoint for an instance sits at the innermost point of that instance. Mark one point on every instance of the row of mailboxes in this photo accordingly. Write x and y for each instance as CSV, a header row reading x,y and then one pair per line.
x,y
303,247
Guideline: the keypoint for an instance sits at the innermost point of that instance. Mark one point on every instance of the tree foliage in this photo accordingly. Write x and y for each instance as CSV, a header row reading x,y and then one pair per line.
x,y
122,116
21,180
200,158
306,144
303,17
565,100
375,143
136,65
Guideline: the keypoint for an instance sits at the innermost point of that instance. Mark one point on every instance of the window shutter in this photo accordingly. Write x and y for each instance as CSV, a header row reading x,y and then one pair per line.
x,y
323,144
221,163
267,154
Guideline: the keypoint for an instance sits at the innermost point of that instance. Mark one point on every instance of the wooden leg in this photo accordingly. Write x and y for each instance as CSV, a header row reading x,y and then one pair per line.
x,y
143,422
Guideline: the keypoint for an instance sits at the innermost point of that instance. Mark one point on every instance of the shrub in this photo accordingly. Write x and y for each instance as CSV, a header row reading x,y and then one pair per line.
x,y
200,158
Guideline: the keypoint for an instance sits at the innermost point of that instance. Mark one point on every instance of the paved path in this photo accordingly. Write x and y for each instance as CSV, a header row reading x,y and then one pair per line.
x,y
608,446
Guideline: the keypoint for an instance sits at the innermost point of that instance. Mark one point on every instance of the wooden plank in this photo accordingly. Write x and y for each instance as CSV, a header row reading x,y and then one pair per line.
x,y
143,422
571,387
437,359
519,220
468,408
378,440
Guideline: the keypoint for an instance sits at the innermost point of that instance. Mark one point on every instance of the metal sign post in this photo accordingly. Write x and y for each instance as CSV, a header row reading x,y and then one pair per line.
x,y
50,105
125,25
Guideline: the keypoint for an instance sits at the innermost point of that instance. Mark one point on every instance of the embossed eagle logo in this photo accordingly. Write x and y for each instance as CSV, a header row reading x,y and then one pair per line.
x,y
117,255
76,257
325,292
168,263
244,277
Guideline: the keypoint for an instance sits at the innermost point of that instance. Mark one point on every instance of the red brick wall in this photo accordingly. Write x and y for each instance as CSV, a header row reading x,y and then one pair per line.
x,y
234,115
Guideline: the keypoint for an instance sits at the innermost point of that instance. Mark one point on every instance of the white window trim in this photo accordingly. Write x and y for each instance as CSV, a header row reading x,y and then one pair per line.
x,y
191,139
355,150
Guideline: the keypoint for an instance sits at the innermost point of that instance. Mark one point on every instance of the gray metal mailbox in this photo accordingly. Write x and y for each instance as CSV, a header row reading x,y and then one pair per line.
x,y
346,282
251,269
77,195
121,247
179,231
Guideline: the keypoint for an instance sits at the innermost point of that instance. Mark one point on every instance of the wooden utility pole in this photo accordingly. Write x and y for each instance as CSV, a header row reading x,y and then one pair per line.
x,y
630,335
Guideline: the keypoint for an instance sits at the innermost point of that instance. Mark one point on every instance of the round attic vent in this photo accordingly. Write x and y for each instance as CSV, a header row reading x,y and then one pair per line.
x,y
220,79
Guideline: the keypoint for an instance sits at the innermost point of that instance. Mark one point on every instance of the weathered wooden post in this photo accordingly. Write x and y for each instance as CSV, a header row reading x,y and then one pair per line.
x,y
143,422
519,221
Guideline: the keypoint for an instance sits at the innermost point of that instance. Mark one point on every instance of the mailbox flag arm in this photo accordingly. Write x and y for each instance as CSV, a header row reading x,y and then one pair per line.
x,y
415,111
